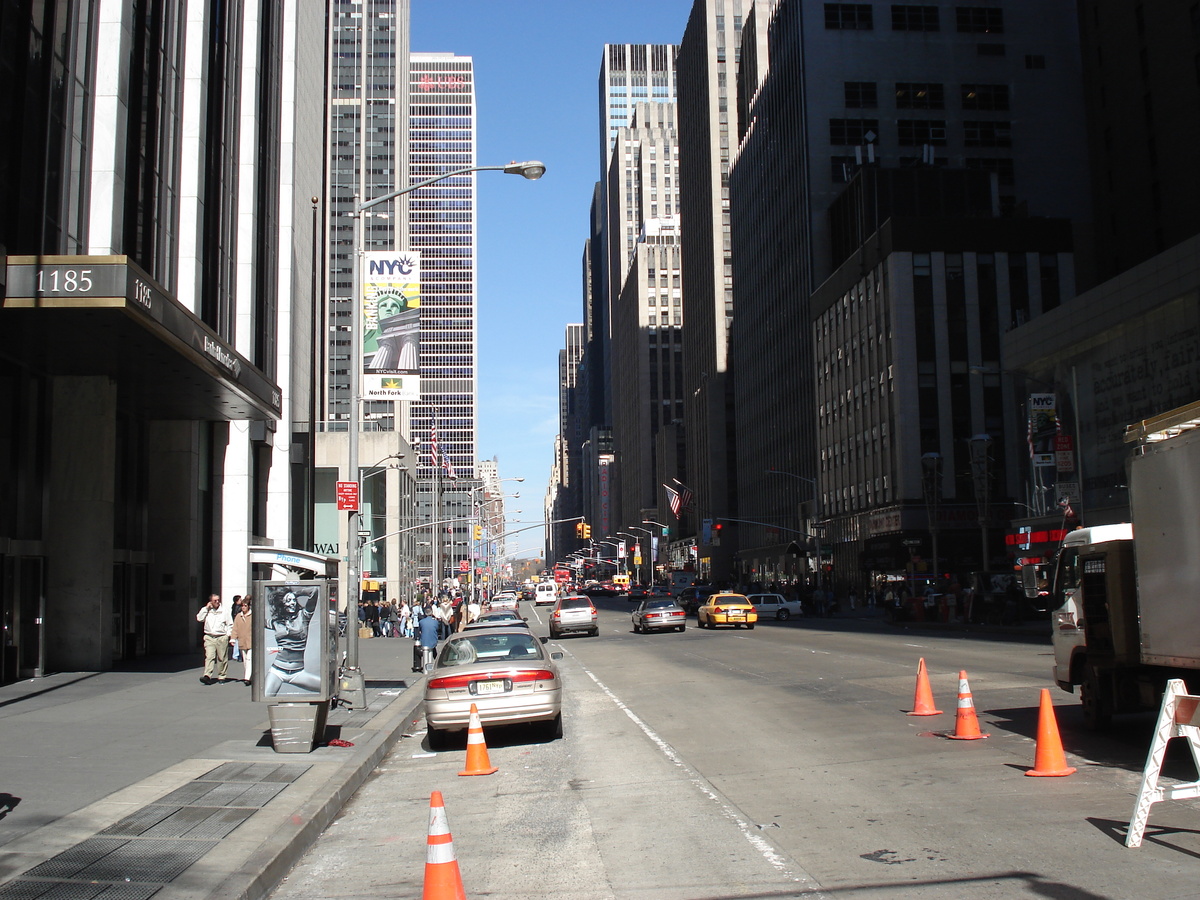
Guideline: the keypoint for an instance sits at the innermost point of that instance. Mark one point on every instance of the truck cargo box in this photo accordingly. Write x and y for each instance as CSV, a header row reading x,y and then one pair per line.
x,y
1164,491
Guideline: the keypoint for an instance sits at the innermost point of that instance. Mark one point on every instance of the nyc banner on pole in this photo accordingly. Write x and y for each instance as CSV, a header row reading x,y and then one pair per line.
x,y
391,325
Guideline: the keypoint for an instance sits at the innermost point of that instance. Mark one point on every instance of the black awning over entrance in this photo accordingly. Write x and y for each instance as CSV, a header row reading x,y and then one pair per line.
x,y
101,315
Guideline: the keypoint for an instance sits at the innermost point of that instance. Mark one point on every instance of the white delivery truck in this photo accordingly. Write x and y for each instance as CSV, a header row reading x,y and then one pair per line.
x,y
1125,598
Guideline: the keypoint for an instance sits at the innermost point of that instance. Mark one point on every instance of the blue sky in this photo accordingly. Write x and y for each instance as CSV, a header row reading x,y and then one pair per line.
x,y
536,71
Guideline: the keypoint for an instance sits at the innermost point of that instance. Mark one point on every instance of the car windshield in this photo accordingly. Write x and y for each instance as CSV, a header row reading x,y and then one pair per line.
x,y
574,603
659,604
467,649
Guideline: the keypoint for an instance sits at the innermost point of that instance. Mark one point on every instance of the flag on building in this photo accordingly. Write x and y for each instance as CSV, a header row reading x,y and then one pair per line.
x,y
673,499
685,494
434,453
678,499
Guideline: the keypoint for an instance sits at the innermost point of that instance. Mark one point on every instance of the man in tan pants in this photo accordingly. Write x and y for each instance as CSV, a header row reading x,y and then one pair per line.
x,y
217,626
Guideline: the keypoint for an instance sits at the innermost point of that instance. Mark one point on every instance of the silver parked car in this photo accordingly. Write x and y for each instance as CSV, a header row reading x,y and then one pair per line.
x,y
574,612
657,613
506,672
504,618
775,606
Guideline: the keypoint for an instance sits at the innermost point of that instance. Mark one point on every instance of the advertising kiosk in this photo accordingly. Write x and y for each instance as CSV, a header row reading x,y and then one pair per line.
x,y
294,660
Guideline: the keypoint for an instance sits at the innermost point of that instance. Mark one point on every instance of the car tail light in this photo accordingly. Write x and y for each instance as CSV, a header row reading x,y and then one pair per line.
x,y
516,676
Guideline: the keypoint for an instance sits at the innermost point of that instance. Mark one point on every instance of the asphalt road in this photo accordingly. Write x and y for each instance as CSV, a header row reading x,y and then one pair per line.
x,y
769,763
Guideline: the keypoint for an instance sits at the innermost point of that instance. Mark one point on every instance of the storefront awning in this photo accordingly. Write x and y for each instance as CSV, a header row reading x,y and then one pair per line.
x,y
102,315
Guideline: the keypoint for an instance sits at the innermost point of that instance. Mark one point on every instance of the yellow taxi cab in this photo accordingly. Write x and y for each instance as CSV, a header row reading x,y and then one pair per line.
x,y
727,609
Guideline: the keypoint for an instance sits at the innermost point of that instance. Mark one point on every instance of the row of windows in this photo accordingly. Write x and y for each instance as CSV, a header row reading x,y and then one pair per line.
x,y
915,132
842,168
919,95
913,17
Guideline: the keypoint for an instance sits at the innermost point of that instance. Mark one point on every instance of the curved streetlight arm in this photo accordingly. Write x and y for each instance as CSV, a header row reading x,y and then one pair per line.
x,y
533,170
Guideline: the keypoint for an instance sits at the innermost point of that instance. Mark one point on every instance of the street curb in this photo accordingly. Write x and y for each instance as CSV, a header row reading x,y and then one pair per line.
x,y
275,857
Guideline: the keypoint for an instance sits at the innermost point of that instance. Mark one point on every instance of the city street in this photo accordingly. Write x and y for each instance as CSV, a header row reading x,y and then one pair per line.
x,y
768,763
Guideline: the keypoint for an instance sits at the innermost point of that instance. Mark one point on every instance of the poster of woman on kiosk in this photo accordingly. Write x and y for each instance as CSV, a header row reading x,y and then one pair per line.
x,y
296,662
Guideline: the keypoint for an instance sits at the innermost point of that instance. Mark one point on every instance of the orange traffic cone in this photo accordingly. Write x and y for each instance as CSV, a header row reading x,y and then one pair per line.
x,y
477,755
1049,759
443,881
966,726
923,698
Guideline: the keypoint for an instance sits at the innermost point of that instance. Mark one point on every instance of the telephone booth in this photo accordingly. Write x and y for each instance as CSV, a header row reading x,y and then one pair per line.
x,y
294,656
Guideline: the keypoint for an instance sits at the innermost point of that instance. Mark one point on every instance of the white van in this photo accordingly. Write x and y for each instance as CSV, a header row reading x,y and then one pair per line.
x,y
545,593
681,580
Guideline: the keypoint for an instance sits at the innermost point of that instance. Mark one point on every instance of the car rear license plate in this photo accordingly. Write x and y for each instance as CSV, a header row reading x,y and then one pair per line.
x,y
489,687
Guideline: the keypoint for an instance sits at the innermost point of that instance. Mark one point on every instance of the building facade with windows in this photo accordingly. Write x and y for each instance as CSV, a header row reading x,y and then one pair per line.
x,y
367,116
156,322
647,374
918,111
708,126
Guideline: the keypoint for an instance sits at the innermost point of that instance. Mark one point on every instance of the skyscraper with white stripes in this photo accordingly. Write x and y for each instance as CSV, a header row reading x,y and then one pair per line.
x,y
442,227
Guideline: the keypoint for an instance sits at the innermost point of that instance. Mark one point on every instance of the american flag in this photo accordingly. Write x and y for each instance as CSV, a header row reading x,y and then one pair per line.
x,y
678,499
448,466
434,456
1064,503
685,494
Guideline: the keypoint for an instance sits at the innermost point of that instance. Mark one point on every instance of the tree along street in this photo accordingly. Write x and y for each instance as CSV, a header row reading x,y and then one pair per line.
x,y
768,763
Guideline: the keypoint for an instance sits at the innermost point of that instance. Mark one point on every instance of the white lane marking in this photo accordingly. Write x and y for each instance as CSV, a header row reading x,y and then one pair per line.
x,y
769,853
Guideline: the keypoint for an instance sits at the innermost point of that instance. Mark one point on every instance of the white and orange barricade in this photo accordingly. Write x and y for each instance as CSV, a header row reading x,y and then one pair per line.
x,y
1179,717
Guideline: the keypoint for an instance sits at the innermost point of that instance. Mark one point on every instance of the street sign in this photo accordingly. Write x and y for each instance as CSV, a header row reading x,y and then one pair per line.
x,y
347,495
1064,453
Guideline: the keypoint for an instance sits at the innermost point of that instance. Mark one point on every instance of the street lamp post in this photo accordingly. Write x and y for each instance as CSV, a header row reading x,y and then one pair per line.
x,y
931,482
816,499
981,445
353,685
625,555
649,534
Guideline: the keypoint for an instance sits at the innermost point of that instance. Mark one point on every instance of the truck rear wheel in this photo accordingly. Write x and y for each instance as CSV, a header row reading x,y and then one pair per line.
x,y
1095,693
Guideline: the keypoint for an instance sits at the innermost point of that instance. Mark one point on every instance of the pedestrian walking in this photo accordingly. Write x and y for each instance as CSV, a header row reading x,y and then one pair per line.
x,y
242,633
405,619
426,638
217,626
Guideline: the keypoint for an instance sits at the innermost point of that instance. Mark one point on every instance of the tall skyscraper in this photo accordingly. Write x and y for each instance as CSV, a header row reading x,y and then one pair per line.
x,y
647,374
629,74
368,155
708,127
859,348
442,227
369,46
563,496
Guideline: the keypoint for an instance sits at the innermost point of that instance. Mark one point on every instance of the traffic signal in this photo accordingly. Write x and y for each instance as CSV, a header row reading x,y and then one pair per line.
x,y
478,532
587,531
579,529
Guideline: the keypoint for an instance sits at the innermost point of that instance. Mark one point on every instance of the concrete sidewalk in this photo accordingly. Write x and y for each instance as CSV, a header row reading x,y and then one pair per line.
x,y
145,782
